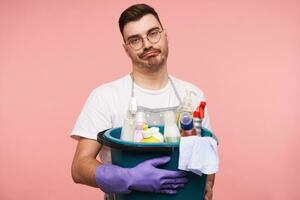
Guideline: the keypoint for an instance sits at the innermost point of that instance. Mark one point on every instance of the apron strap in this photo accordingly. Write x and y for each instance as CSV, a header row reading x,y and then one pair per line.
x,y
175,90
171,81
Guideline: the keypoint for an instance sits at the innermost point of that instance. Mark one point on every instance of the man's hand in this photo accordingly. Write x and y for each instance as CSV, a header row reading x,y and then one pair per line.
x,y
145,177
209,187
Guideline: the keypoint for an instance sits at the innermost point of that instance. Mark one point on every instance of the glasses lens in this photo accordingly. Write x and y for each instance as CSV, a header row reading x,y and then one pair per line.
x,y
154,36
136,43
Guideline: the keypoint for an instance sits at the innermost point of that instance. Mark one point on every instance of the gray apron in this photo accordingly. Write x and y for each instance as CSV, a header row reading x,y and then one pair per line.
x,y
154,116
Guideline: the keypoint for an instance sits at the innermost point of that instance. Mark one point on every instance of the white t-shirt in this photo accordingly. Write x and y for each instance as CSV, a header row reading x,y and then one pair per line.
x,y
107,105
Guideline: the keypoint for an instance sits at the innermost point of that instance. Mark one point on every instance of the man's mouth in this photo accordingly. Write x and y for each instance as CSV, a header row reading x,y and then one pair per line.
x,y
149,54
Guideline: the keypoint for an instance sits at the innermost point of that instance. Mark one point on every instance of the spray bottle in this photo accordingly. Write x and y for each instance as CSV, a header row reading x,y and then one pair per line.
x,y
186,105
197,122
199,116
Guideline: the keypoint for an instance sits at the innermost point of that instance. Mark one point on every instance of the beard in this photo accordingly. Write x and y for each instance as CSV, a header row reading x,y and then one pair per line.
x,y
153,62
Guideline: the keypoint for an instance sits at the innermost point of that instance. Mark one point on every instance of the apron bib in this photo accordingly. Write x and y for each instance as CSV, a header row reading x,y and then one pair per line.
x,y
154,116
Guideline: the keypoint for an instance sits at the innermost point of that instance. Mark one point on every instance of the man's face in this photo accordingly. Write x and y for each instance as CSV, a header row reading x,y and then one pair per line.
x,y
150,56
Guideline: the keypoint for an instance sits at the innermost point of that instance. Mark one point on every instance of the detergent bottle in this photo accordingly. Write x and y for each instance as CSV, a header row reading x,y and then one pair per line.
x,y
187,125
171,131
140,122
128,129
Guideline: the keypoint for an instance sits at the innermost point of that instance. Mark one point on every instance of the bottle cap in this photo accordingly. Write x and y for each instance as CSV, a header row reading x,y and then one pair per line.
x,y
186,123
184,114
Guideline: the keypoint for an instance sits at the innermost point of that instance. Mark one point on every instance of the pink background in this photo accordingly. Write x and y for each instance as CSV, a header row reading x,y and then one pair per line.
x,y
245,55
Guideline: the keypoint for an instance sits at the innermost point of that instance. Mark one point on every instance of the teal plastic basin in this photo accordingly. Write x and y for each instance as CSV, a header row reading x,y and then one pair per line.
x,y
130,154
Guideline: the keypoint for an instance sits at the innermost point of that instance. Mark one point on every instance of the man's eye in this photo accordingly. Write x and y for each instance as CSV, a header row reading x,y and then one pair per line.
x,y
153,33
134,41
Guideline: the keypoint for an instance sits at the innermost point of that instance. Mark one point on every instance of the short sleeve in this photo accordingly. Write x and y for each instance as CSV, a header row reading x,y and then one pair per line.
x,y
93,118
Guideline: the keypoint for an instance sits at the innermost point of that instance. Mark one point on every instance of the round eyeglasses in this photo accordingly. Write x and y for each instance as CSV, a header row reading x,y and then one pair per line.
x,y
137,42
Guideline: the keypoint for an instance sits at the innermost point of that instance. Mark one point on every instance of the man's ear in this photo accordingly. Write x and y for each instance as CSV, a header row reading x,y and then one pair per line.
x,y
125,48
166,35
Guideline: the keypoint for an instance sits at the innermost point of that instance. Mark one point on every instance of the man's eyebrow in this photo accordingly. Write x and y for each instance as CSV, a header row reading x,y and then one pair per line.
x,y
152,29
138,35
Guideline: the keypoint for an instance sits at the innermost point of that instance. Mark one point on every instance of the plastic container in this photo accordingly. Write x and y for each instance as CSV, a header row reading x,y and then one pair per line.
x,y
185,106
187,125
171,132
129,154
128,129
197,122
140,122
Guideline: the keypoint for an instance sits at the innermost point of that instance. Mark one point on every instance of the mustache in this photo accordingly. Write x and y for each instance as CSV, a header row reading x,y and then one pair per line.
x,y
149,50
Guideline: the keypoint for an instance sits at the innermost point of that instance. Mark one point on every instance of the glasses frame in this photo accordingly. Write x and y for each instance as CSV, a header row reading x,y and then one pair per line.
x,y
146,37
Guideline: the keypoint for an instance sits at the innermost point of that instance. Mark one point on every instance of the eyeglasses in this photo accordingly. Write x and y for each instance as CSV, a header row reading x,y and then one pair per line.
x,y
137,42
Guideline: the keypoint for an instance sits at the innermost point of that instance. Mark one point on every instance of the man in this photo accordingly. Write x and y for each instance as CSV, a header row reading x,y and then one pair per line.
x,y
146,43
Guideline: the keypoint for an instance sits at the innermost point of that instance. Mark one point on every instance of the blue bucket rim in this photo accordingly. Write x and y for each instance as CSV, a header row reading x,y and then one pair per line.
x,y
107,136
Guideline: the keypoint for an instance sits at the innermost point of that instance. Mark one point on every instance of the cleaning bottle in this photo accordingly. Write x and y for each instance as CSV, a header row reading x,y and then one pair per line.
x,y
140,122
197,122
186,124
186,105
199,116
152,135
171,131
128,129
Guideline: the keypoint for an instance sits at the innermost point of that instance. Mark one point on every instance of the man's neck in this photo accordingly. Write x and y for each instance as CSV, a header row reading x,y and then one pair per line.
x,y
151,81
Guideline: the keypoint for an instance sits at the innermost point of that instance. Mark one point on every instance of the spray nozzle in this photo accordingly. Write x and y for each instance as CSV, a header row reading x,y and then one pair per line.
x,y
201,109
187,102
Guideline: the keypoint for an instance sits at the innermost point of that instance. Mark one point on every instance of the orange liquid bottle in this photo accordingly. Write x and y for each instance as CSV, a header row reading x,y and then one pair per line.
x,y
187,125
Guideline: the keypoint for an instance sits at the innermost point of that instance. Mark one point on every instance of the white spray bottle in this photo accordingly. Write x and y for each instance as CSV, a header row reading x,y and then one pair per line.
x,y
186,105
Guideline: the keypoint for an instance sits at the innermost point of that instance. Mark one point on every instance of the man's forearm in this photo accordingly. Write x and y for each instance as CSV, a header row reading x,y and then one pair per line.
x,y
211,180
209,187
83,170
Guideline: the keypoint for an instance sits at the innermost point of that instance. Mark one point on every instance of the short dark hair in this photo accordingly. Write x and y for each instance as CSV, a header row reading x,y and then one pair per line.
x,y
134,13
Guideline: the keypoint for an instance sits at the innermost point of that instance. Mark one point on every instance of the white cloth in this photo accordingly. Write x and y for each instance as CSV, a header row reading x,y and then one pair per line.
x,y
107,105
198,155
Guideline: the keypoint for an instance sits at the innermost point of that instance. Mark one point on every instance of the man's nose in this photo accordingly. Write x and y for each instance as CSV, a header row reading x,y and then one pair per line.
x,y
146,43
